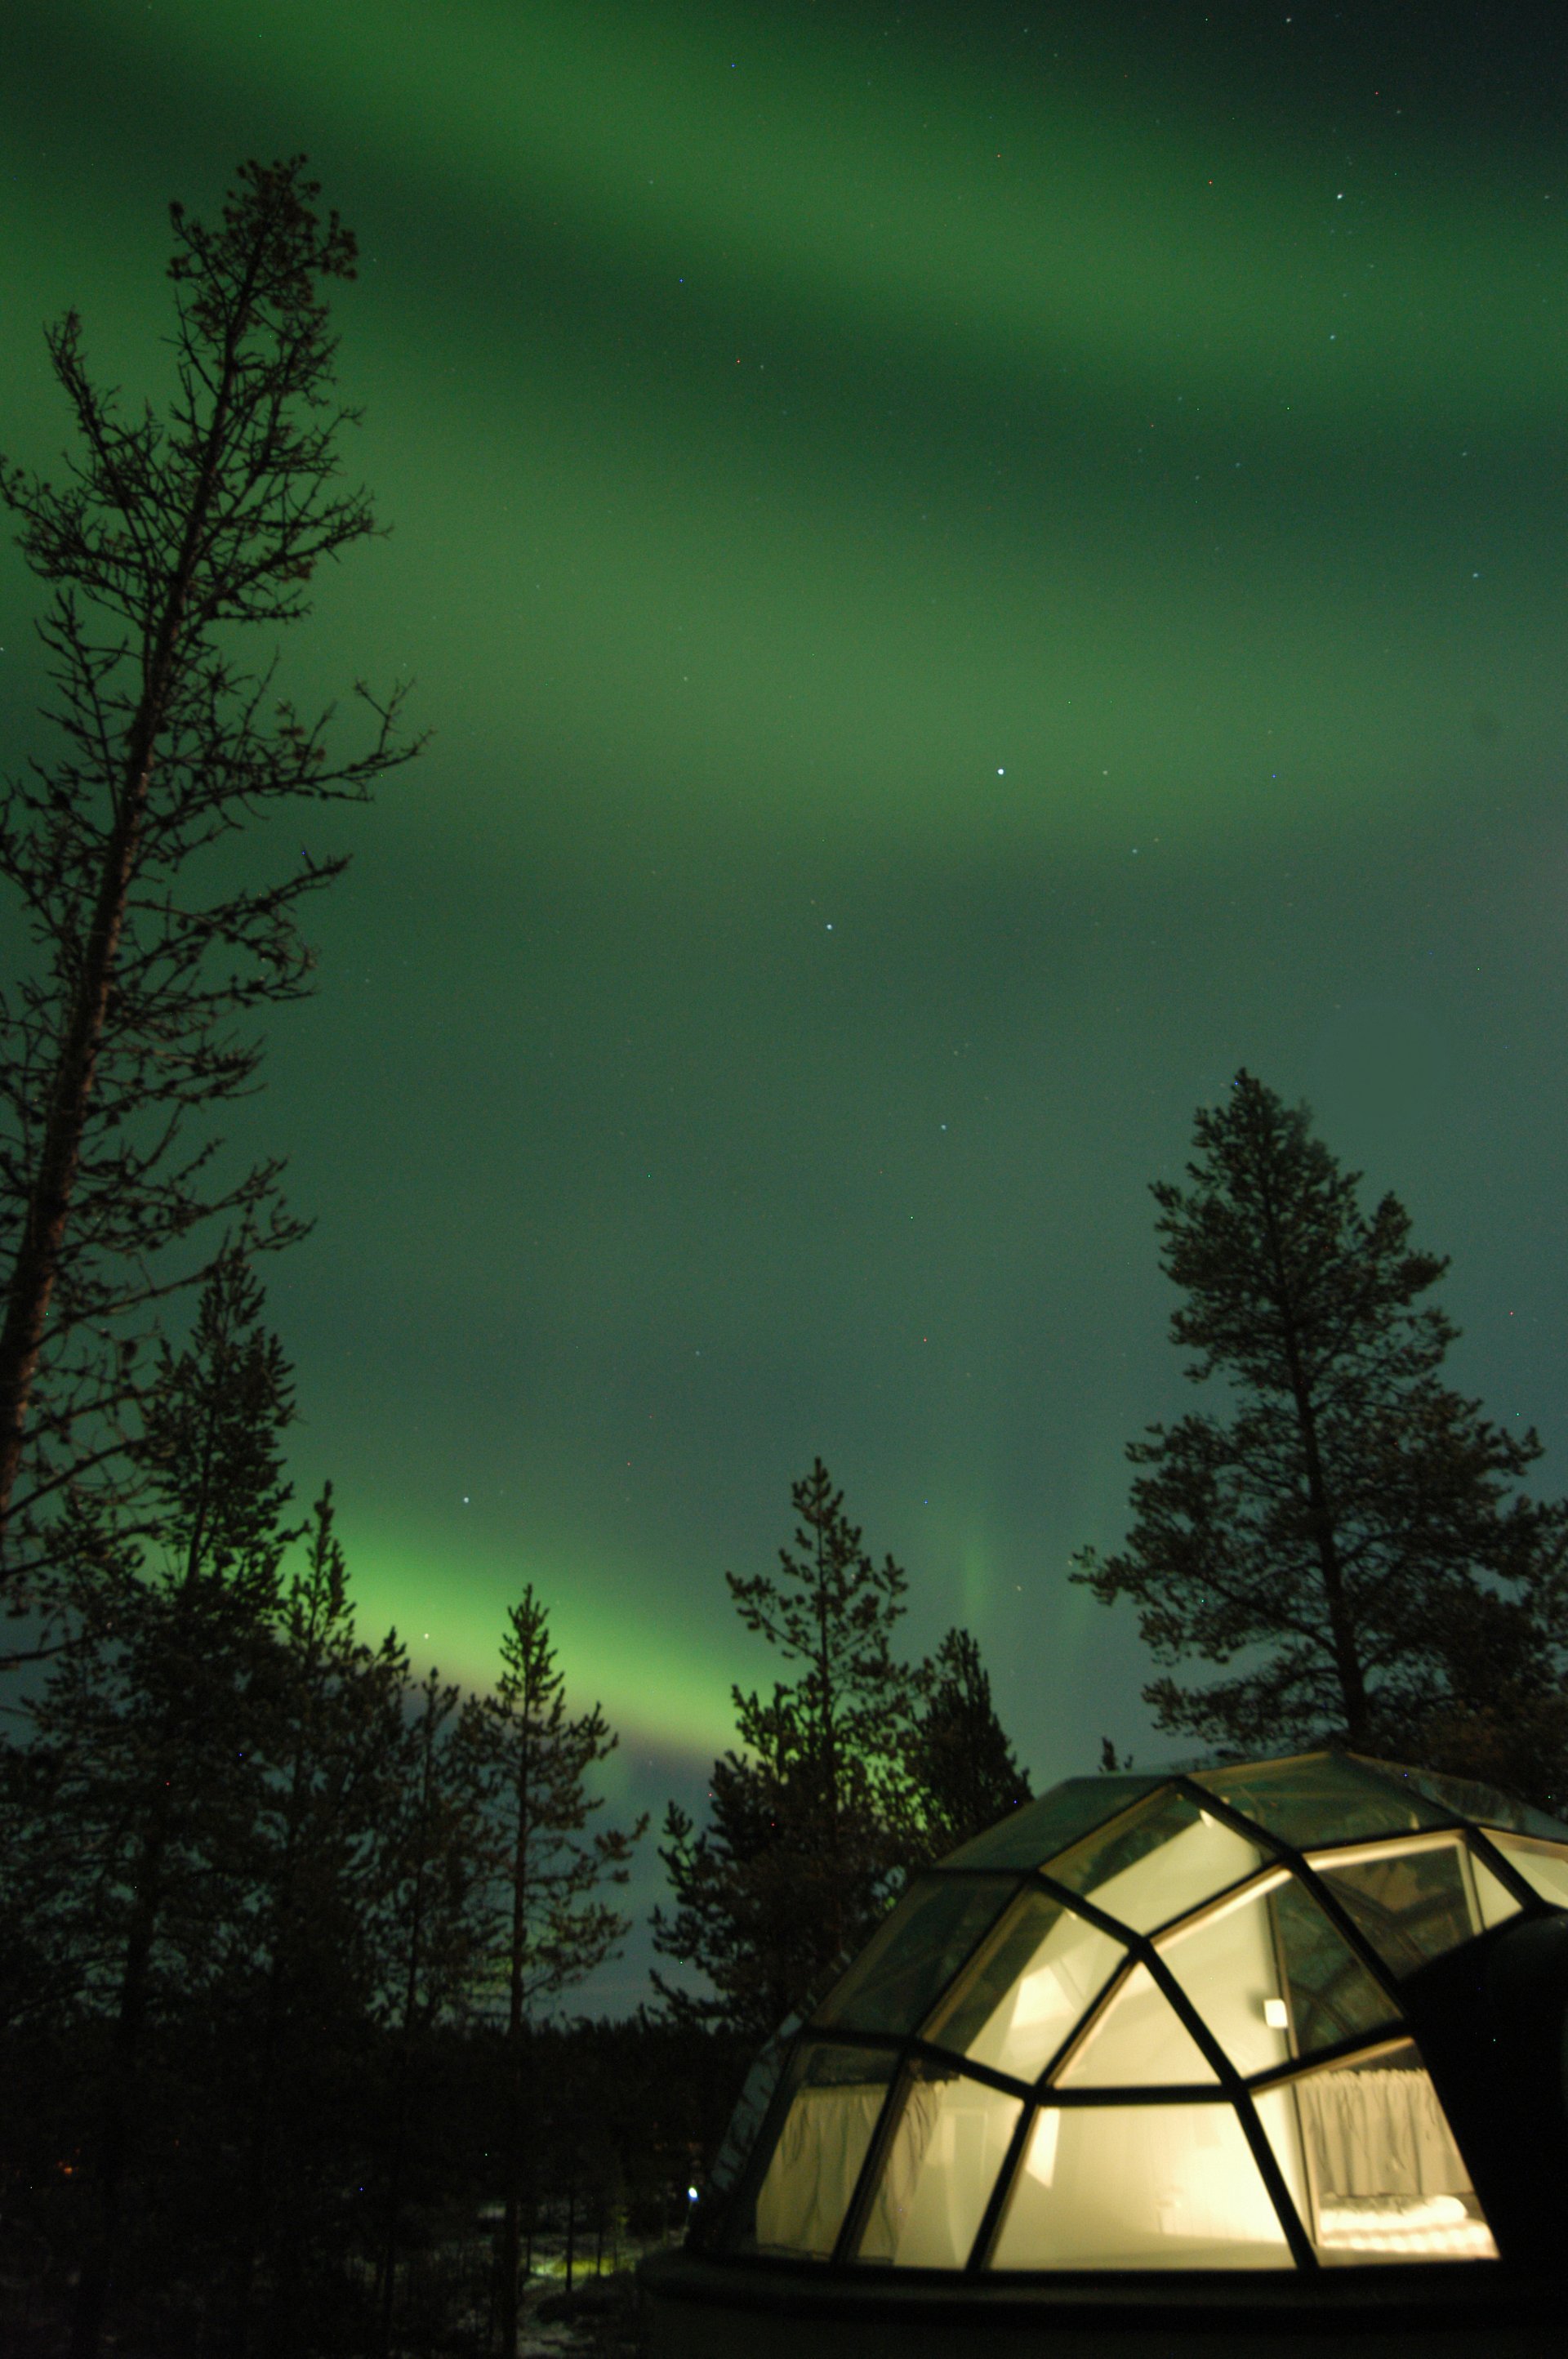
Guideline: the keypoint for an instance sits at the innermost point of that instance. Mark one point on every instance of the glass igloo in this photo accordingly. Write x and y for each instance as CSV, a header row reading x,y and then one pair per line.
x,y
1200,2022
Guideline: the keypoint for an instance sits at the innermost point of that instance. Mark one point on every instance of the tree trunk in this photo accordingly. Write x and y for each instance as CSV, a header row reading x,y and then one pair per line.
x,y
256,2207
395,2164
37,1266
116,2133
1342,1634
49,1201
515,2077
410,2016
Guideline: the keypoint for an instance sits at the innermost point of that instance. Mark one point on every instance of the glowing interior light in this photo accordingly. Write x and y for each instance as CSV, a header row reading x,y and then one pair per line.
x,y
1042,1996
1041,2161
1276,2014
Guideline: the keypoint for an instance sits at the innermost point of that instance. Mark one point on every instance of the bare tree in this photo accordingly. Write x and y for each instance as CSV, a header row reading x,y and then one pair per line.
x,y
142,957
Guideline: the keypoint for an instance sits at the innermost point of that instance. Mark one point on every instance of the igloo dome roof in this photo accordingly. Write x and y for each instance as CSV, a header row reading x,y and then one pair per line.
x,y
1212,2021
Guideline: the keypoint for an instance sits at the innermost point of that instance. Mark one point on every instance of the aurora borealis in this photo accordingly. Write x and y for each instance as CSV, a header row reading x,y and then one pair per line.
x,y
972,570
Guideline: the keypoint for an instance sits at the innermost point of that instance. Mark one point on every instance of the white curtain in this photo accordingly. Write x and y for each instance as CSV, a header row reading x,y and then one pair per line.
x,y
802,2202
894,2197
1379,2132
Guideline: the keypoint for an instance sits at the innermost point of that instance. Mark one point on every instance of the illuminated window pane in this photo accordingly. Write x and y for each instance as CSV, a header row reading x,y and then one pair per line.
x,y
915,1952
1300,1800
812,2171
1387,2180
1543,1865
1157,1864
1030,1835
1140,2042
1129,2187
1494,1900
745,2124
1034,1980
950,2145
1227,1964
1411,1903
1330,1993
1280,2115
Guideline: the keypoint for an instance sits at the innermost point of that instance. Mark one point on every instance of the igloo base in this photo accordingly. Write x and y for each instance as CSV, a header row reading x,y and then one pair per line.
x,y
704,2308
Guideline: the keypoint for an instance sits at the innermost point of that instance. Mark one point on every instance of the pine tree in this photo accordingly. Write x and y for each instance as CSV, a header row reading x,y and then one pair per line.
x,y
1348,1525
549,1928
437,1938
1498,1709
310,1956
741,1918
146,1737
804,1846
169,537
962,1774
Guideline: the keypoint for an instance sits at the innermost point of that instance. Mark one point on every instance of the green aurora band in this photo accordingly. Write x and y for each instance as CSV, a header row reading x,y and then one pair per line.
x,y
1217,439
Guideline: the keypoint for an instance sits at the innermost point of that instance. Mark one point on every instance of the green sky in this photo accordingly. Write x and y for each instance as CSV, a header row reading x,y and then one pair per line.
x,y
972,570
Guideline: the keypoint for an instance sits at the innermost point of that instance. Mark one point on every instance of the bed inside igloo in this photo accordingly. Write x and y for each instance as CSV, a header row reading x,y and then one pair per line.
x,y
1158,2023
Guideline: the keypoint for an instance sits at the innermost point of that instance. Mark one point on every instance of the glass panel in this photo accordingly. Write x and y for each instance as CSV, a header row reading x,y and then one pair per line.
x,y
1228,1967
1389,2182
1410,1905
1157,1863
950,2142
812,2171
1034,1980
1138,2042
915,1953
1470,1799
1322,1798
1543,1865
1029,1835
1494,1901
1140,2187
750,2109
1281,2116
1329,1992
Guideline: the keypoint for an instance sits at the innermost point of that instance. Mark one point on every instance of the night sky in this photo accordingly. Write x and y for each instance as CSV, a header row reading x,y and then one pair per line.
x,y
973,569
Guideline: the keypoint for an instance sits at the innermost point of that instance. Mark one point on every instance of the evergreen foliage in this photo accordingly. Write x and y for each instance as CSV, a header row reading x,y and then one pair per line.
x,y
808,1827
278,1926
146,1760
434,1946
528,1760
962,1774
206,1833
1345,1530
169,537
311,1959
543,1871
